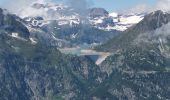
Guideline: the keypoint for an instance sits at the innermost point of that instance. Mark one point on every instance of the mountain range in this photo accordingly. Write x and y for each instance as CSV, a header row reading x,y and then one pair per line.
x,y
50,53
72,28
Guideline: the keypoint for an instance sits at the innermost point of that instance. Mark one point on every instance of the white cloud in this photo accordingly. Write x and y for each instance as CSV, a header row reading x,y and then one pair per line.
x,y
139,9
15,6
163,5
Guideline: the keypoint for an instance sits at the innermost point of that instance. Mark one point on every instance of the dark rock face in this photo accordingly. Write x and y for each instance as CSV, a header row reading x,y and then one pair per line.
x,y
38,6
1,16
12,23
153,21
98,12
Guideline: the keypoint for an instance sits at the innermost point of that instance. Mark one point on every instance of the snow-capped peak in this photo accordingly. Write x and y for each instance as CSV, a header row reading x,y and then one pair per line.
x,y
126,21
65,15
115,21
60,13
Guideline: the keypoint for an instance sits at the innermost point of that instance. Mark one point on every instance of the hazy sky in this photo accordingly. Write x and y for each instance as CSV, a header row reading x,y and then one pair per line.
x,y
110,5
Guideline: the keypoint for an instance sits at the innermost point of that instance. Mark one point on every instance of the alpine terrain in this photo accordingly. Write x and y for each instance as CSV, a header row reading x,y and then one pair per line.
x,y
54,51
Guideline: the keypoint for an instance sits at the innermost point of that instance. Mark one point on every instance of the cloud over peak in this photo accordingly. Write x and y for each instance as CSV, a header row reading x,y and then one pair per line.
x,y
163,5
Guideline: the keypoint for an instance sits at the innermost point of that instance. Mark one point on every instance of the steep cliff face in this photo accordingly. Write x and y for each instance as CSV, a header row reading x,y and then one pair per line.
x,y
98,12
12,23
